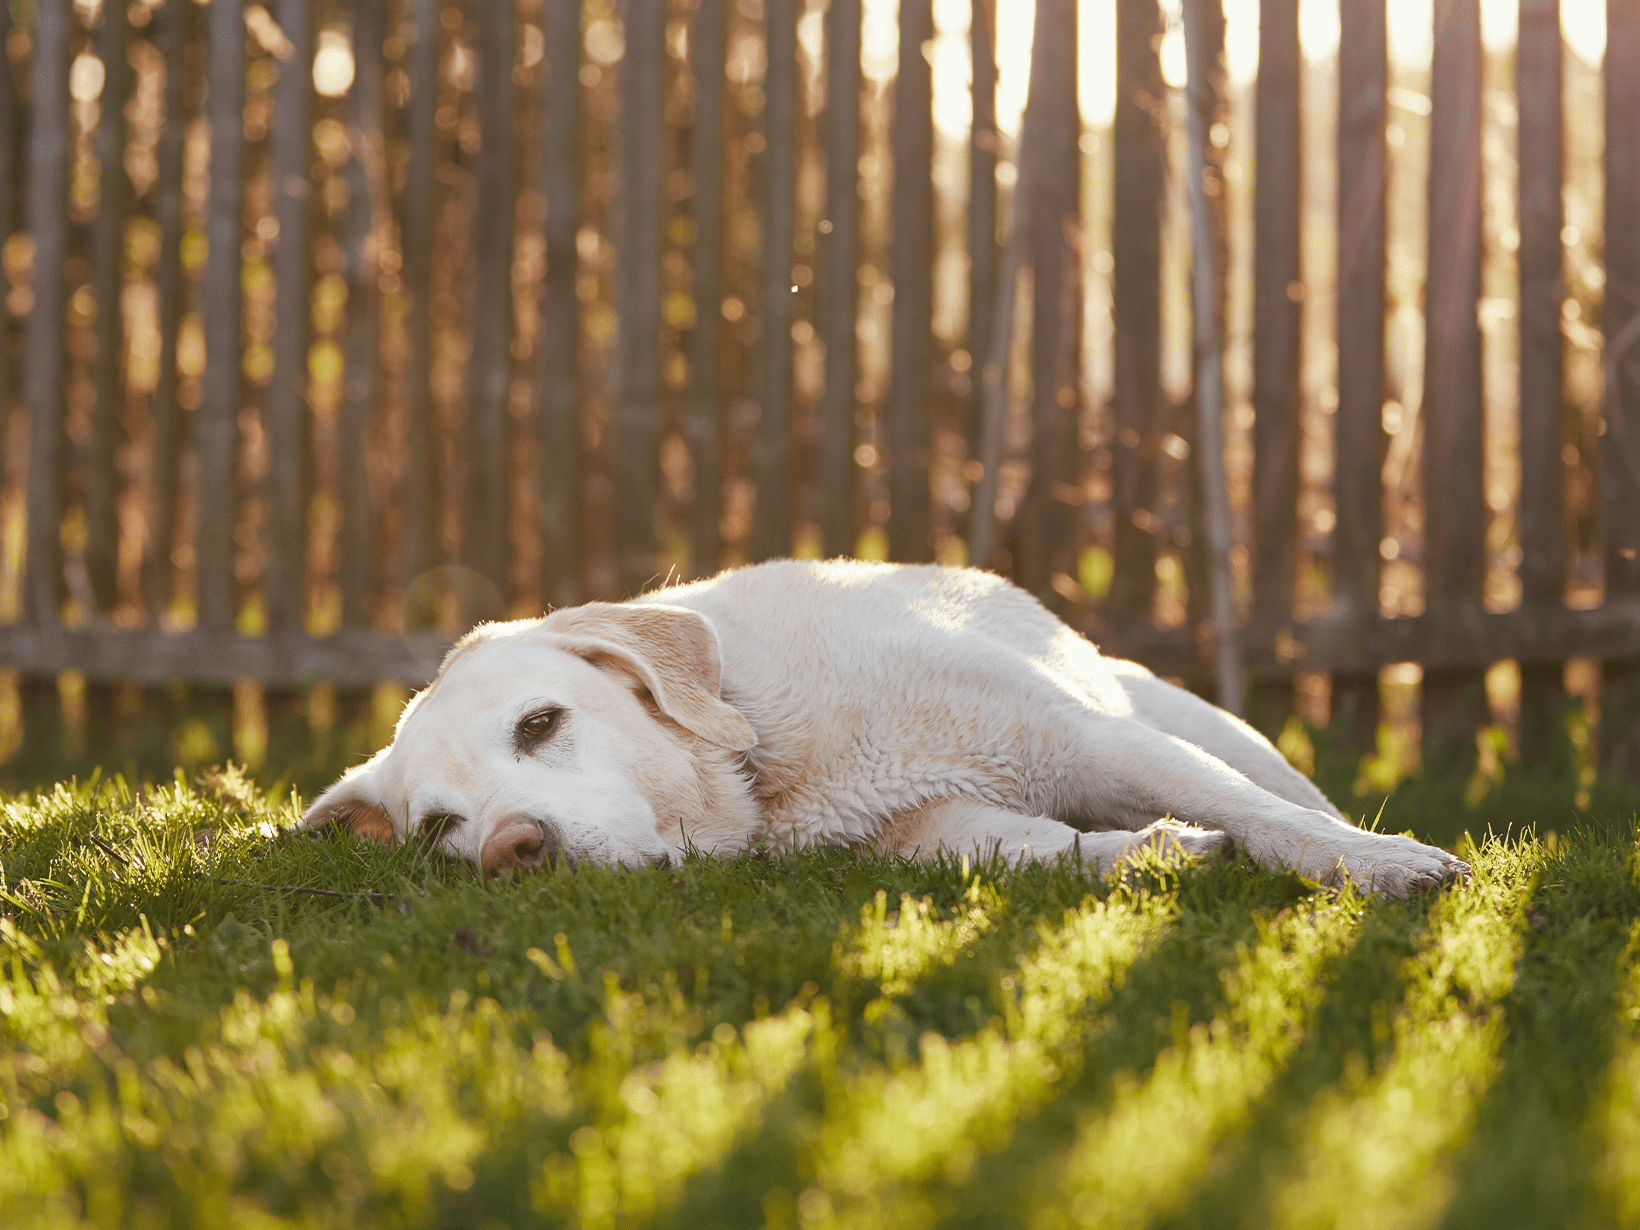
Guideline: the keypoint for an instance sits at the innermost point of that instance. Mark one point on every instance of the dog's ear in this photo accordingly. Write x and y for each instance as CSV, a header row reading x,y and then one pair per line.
x,y
671,651
350,805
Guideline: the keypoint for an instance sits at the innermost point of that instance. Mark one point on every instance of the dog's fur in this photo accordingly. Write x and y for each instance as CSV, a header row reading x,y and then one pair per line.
x,y
899,708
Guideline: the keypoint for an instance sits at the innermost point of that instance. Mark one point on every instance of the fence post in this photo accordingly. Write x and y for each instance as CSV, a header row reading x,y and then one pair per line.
x,y
837,291
911,268
1277,322
633,456
10,178
707,48
1453,701
1047,203
44,358
1136,250
366,203
422,471
484,526
1204,49
43,371
107,419
557,335
284,411
771,514
1620,446
284,572
108,259
175,20
1359,485
983,146
994,364
217,419
222,300
1542,525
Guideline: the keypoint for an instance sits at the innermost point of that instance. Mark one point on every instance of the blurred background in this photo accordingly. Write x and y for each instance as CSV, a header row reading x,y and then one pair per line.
x,y
331,328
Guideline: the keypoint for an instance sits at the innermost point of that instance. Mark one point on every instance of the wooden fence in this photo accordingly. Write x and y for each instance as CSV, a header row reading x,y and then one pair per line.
x,y
334,326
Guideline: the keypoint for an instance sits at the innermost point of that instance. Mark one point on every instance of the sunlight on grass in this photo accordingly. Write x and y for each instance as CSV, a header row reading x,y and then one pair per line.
x,y
288,1095
659,1123
208,1020
1135,1161
896,952
886,1130
1619,1116
281,1093
1379,1147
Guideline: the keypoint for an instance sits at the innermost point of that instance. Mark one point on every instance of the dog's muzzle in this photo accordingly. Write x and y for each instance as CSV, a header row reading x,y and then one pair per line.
x,y
520,843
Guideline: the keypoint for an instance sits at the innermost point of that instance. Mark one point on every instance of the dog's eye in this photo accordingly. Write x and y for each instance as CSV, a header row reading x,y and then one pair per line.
x,y
538,727
438,825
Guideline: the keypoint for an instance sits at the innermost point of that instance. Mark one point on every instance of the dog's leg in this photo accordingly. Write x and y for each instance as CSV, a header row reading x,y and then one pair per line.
x,y
965,826
1175,711
1124,771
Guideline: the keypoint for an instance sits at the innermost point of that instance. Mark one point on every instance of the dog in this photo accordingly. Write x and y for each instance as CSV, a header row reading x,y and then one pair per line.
x,y
906,709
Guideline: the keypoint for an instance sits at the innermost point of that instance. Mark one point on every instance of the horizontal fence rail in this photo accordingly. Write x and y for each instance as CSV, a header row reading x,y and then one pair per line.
x,y
333,327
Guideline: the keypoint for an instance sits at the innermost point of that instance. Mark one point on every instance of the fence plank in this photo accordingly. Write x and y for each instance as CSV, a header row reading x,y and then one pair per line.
x,y
1208,104
911,268
1542,524
10,182
1277,321
284,571
983,252
558,427
1538,85
43,368
1453,702
176,21
772,513
1620,524
216,420
101,494
837,290
633,457
1620,459
366,197
1136,250
1188,419
707,48
422,473
484,527
1049,205
354,656
1358,422
107,255
284,410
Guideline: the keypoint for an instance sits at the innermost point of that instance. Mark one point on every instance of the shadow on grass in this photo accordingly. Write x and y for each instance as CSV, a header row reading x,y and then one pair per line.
x,y
1529,1160
1177,984
1352,1019
738,1191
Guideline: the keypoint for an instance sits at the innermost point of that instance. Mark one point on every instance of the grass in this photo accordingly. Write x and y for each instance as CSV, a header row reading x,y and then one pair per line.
x,y
193,1035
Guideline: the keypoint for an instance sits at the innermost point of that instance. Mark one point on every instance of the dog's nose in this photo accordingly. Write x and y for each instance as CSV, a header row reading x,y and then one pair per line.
x,y
520,844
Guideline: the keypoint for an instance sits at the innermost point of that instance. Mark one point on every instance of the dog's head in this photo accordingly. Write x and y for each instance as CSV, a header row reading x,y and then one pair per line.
x,y
597,734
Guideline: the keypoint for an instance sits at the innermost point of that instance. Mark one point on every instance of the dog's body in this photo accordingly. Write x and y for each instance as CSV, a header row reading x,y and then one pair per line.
x,y
907,709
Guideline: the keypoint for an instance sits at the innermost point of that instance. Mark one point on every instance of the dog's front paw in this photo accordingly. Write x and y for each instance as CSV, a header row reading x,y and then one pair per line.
x,y
1399,866
1171,835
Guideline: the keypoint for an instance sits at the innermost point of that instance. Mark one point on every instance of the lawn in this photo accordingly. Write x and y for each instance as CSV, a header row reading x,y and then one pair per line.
x,y
209,1020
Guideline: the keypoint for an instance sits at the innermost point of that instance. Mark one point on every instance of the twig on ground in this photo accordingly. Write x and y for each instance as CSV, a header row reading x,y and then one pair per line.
x,y
110,851
315,892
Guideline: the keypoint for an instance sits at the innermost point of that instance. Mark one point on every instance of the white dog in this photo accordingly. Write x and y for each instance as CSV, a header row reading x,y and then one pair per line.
x,y
905,709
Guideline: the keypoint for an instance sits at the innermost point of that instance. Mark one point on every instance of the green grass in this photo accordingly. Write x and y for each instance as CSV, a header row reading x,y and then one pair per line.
x,y
818,1040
